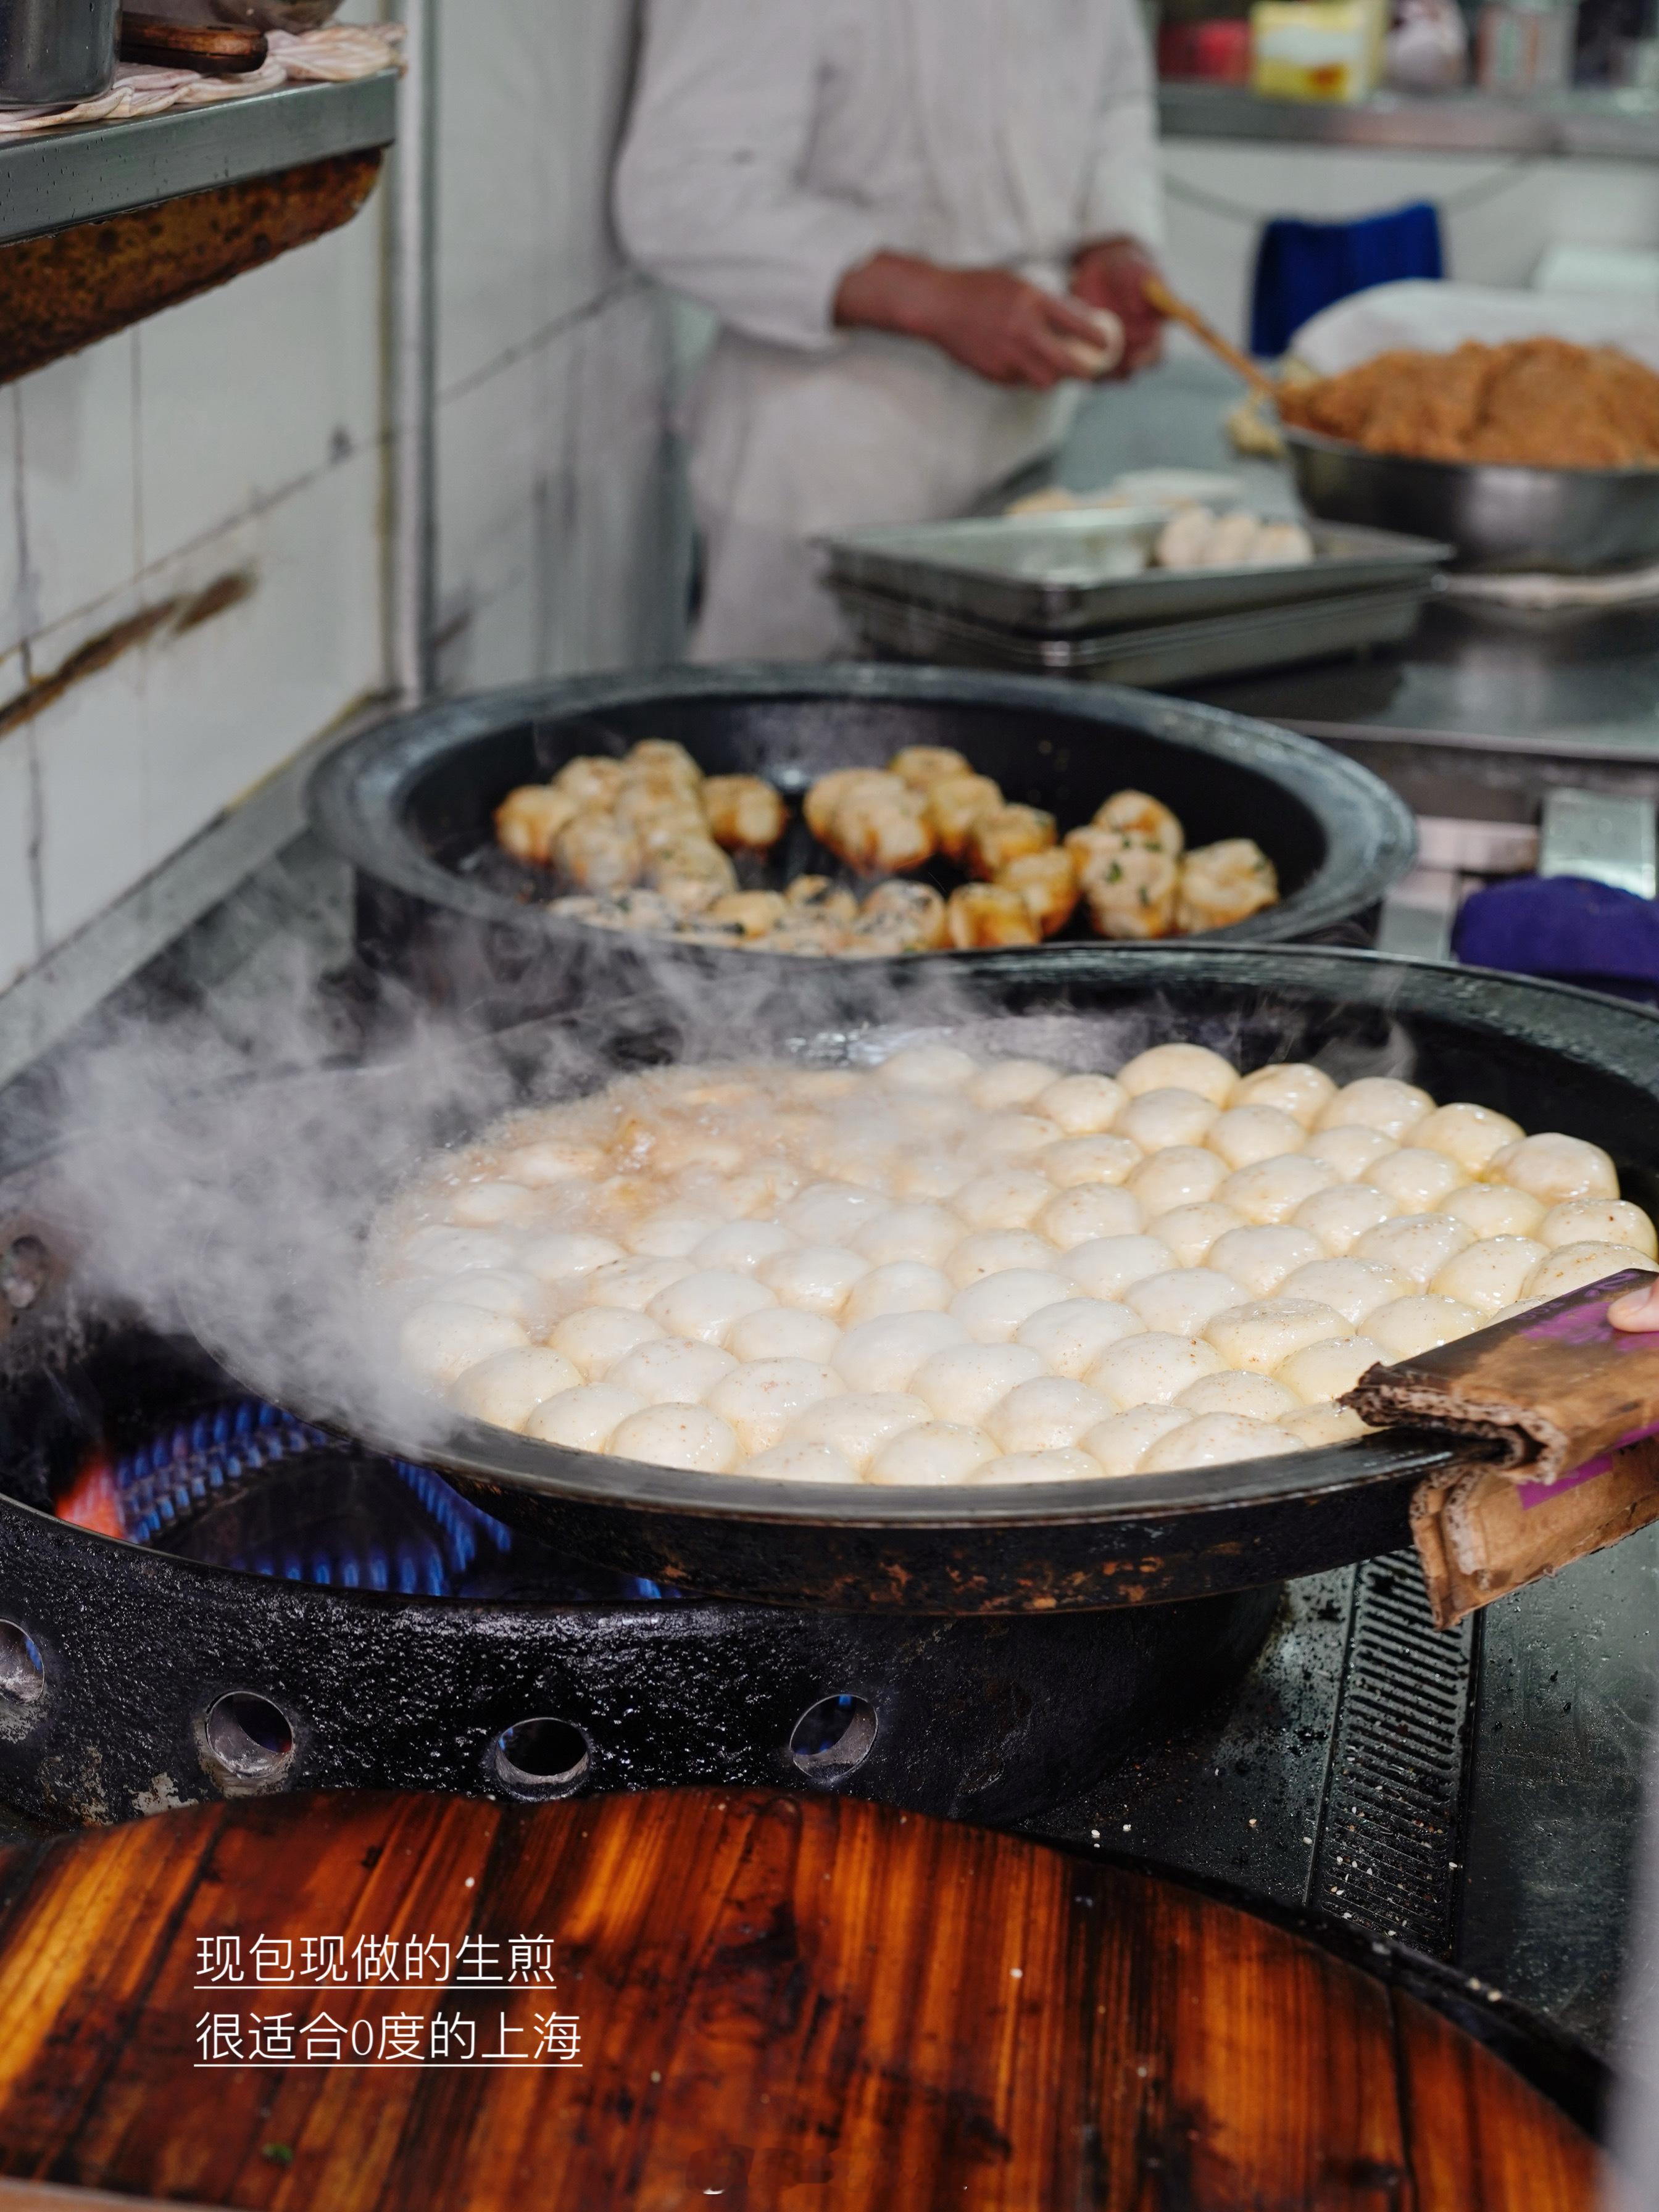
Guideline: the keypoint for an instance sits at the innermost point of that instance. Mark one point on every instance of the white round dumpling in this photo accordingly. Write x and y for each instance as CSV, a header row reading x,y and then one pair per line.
x,y
1377,1101
1471,1135
1572,1267
1493,1209
1105,1267
1005,1083
1598,1221
1078,1216
856,1424
1083,1105
1271,1190
583,1420
1158,1119
439,1340
1186,1174
1082,1160
1340,1216
671,1232
1554,1167
1046,1414
744,1245
993,1251
923,1232
1257,1397
497,1289
762,1400
506,1390
1416,1178
558,1257
782,1333
488,1205
705,1304
1181,1068
1410,1325
1012,1136
992,1308
1190,1230
596,1337
1351,1151
830,1212
939,1067
1415,1244
1320,1372
794,1461
1295,1087
634,1283
671,1371
883,1355
1352,1288
676,1436
1316,1427
1216,1440
931,1175
935,1454
1259,1260
816,1278
1180,1303
1490,1274
1117,1446
550,1160
1152,1370
902,1287
1058,1466
1069,1337
1244,1134
1263,1334
756,1193
964,1381
436,1250
1002,1198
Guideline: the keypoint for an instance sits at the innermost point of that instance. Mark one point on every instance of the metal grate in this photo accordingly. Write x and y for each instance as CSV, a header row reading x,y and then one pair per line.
x,y
1387,1849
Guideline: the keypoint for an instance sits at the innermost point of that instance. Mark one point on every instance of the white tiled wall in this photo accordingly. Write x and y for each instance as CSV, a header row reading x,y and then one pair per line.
x,y
1499,214
240,436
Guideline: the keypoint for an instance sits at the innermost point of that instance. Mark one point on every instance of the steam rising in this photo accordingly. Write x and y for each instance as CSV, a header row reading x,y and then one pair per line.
x,y
234,1206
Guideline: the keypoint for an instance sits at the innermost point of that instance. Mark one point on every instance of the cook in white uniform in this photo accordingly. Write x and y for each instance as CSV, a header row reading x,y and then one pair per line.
x,y
902,212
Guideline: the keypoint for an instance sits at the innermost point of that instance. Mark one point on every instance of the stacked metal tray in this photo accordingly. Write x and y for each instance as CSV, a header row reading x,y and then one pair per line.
x,y
1070,595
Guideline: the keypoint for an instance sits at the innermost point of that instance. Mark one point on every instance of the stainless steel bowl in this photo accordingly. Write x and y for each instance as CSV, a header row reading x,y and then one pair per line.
x,y
54,53
1576,520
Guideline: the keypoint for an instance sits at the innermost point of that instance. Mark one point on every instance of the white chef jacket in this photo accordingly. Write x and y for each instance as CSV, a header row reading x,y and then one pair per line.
x,y
774,145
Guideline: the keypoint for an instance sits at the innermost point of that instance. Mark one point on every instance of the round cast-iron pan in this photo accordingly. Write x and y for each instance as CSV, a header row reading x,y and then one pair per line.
x,y
410,804
1552,1056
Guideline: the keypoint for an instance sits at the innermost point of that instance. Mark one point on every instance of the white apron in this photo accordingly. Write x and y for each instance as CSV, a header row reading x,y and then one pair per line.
x,y
776,144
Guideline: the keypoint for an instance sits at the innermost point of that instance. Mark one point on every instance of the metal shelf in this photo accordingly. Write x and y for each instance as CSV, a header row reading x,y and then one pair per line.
x,y
1599,125
60,177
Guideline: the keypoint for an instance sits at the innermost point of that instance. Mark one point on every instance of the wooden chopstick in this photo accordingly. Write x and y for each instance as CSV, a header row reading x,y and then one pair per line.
x,y
1160,295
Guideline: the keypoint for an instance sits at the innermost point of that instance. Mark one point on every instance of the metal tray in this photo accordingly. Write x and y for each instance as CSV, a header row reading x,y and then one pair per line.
x,y
1167,652
1027,575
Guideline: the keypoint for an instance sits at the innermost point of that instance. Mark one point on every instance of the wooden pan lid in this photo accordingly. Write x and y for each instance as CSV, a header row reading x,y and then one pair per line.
x,y
783,2003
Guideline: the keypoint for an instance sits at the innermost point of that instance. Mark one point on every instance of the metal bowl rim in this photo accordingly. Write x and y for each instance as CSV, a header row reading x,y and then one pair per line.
x,y
1320,441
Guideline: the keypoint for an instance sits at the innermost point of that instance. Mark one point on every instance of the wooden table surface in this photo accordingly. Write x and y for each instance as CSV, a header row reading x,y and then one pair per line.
x,y
783,2003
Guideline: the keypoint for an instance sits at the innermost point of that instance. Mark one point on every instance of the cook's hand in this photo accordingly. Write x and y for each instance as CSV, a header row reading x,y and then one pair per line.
x,y
993,322
1112,274
1637,1309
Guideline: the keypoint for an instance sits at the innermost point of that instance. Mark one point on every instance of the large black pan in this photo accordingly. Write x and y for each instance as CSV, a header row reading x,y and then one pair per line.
x,y
1553,1057
410,806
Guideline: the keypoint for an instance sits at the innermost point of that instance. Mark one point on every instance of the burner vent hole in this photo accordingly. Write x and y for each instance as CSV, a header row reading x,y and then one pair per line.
x,y
22,1670
541,1757
25,1270
250,1744
833,1738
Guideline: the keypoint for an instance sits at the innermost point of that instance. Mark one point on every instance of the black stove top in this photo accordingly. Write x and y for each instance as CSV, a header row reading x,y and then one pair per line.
x,y
1476,1796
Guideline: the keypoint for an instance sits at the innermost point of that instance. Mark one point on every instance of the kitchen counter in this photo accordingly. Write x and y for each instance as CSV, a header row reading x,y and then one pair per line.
x,y
1600,126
